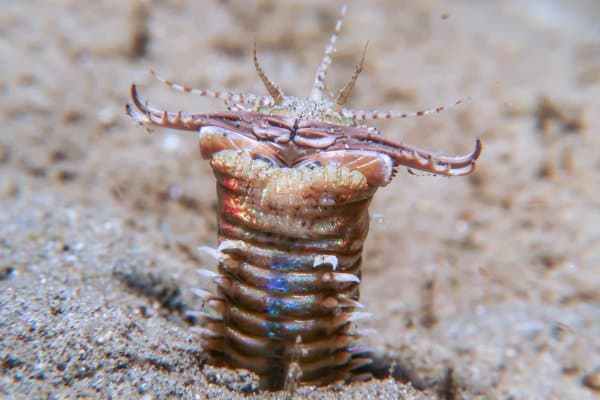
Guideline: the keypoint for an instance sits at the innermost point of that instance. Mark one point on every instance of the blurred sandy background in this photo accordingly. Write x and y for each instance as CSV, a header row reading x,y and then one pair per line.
x,y
482,287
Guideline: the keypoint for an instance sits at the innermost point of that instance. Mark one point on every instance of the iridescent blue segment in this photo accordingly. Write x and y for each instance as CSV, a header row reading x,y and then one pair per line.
x,y
275,306
277,283
273,328
286,267
299,306
285,263
278,327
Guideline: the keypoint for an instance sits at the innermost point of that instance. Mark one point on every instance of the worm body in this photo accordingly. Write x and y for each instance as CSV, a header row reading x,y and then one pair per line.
x,y
295,177
292,240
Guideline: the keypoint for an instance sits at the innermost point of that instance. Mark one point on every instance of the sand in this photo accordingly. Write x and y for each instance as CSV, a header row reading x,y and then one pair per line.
x,y
483,287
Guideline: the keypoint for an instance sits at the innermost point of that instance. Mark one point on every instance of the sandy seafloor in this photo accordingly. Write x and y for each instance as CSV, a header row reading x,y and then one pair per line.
x,y
484,287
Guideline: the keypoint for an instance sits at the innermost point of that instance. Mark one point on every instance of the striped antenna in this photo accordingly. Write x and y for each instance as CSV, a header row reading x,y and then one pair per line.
x,y
347,90
274,90
320,86
362,115
229,97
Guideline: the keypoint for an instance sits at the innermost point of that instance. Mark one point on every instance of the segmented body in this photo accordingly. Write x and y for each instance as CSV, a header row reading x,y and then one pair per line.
x,y
295,177
272,223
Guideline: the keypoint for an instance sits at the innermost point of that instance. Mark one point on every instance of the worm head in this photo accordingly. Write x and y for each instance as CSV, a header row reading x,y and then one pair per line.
x,y
294,131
